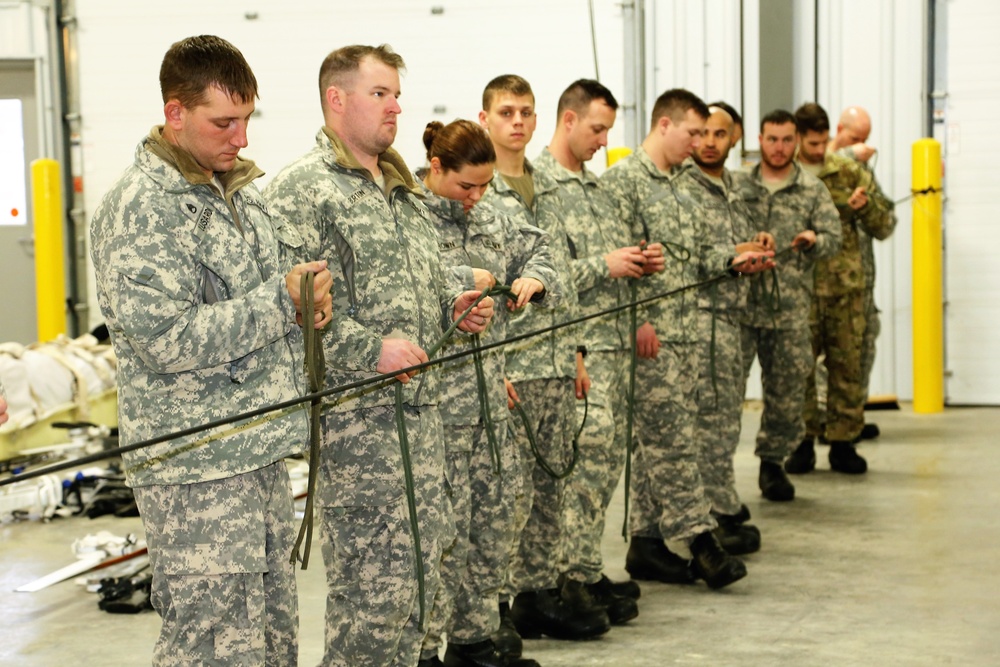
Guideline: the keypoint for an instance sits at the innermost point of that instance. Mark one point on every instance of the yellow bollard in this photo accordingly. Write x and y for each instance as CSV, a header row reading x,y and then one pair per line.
x,y
928,327
618,153
50,274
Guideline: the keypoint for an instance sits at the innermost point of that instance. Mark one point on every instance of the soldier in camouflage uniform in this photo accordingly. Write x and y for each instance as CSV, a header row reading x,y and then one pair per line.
x,y
600,259
483,465
669,505
542,370
852,133
202,310
837,318
794,207
726,230
356,204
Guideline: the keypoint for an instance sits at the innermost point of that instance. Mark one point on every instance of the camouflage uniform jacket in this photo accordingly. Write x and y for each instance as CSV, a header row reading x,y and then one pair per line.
x,y
192,286
486,239
844,272
551,355
382,250
655,207
803,203
722,221
593,229
875,194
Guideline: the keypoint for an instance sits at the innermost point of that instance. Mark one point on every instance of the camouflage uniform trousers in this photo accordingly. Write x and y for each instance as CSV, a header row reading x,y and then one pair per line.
x,y
373,605
721,387
837,325
222,579
873,327
786,361
667,493
550,405
603,449
474,567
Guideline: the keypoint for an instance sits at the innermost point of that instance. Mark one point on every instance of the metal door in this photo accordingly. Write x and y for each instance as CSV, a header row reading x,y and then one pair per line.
x,y
19,145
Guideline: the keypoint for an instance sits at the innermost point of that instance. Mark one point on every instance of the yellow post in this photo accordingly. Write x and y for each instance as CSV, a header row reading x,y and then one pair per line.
x,y
928,327
50,278
618,153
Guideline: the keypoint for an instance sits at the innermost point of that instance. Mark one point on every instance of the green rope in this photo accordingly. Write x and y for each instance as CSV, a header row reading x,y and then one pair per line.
x,y
404,445
484,404
315,366
540,459
630,416
411,503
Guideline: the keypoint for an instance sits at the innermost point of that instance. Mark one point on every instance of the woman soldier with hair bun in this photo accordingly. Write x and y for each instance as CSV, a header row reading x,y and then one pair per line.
x,y
482,462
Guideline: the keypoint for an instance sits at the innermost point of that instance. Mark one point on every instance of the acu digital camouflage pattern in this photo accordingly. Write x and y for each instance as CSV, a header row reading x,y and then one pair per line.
x,y
382,250
552,355
602,457
653,210
775,325
538,523
222,578
486,239
667,493
483,496
724,222
593,229
474,567
543,369
158,238
802,204
373,603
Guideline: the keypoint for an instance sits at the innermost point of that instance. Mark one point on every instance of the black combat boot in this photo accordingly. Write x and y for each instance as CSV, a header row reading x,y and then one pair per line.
x,y
735,536
844,458
869,431
619,609
773,482
711,561
537,613
506,639
481,654
430,662
625,589
803,459
649,559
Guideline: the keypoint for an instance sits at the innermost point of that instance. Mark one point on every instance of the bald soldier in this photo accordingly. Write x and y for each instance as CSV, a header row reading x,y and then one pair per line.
x,y
853,130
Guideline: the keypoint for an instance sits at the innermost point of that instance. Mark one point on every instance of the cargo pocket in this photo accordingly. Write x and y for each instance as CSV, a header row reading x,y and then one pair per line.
x,y
217,594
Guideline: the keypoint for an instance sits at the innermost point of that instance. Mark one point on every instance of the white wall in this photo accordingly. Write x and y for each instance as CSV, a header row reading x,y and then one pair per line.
x,y
23,35
971,231
870,53
449,57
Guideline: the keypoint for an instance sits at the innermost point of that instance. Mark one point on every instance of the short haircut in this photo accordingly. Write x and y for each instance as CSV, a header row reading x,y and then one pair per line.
x,y
811,116
580,94
192,65
458,143
506,83
341,64
733,113
674,104
777,117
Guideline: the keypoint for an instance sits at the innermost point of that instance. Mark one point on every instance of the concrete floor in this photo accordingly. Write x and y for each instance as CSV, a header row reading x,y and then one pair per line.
x,y
898,567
